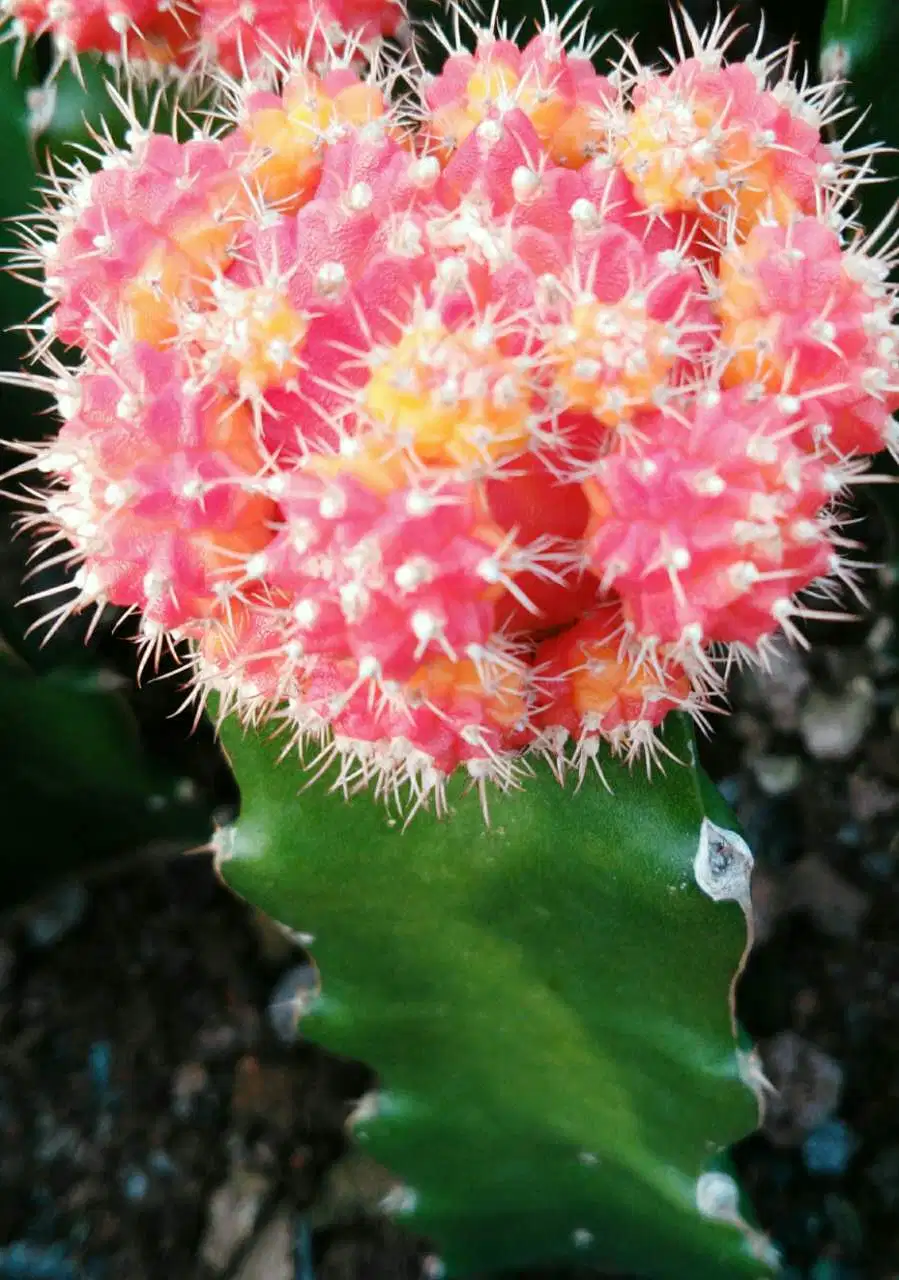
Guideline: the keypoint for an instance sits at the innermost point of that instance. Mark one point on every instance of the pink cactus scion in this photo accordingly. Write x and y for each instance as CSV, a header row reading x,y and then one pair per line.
x,y
187,34
491,425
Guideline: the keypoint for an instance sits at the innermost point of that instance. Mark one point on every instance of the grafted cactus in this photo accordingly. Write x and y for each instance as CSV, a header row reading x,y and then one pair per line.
x,y
468,438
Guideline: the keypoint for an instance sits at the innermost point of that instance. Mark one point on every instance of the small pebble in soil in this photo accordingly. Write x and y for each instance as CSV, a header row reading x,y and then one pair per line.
x,y
99,1065
833,726
24,1261
807,1086
188,1084
833,1269
271,1256
777,774
836,905
829,1148
135,1185
56,915
233,1210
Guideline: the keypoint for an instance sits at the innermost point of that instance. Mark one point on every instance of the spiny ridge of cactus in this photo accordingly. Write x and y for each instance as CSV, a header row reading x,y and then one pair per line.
x,y
493,419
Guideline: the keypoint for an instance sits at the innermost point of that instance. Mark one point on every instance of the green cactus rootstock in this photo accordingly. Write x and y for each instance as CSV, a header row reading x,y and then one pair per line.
x,y
547,1002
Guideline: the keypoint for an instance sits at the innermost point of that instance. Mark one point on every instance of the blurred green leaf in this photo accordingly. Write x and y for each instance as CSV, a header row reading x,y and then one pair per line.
x,y
79,107
17,81
17,196
860,45
77,786
76,105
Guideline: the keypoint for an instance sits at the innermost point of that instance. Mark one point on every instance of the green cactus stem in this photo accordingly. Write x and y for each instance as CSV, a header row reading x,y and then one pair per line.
x,y
548,1002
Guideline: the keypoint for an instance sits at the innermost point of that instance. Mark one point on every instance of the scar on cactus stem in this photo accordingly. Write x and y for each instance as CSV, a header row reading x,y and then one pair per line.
x,y
466,441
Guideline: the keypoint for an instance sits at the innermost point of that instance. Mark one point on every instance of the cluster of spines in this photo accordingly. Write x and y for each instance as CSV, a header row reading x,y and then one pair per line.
x,y
493,422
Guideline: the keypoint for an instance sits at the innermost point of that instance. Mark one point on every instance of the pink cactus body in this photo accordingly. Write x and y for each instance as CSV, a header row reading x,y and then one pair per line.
x,y
153,31
447,443
161,496
289,132
239,34
714,138
559,92
805,318
139,234
709,533
597,686
229,35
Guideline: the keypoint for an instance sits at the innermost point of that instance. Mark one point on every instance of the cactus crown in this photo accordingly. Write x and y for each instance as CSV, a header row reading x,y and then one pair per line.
x,y
495,418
